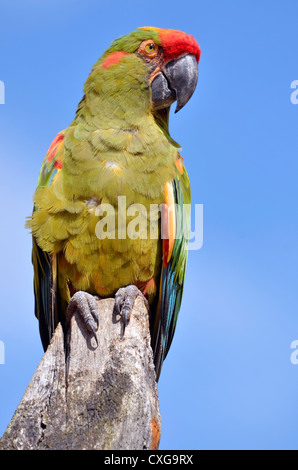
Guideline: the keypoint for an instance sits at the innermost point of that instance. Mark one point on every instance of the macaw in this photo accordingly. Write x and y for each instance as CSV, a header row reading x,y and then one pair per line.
x,y
118,145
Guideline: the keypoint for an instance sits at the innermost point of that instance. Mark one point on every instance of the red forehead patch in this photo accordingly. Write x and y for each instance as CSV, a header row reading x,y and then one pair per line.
x,y
176,43
113,59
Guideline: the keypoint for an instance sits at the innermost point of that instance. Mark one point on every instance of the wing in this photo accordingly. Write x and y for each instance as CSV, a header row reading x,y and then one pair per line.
x,y
175,222
45,264
52,162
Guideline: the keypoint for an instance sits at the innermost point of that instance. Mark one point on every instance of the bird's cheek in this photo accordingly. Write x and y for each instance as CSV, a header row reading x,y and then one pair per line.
x,y
162,95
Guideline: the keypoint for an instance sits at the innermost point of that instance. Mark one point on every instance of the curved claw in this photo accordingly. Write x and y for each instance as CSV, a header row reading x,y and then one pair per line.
x,y
85,305
124,303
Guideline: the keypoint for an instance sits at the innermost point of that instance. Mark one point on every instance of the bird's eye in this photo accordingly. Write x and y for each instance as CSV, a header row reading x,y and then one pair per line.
x,y
149,48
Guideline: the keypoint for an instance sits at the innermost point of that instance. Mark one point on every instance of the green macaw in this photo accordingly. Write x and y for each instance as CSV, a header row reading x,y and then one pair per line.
x,y
118,146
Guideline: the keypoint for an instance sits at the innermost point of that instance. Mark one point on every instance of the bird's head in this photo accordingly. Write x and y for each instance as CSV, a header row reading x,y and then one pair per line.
x,y
171,58
174,58
144,71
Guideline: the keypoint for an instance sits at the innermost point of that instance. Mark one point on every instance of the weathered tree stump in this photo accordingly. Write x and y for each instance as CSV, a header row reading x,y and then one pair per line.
x,y
89,397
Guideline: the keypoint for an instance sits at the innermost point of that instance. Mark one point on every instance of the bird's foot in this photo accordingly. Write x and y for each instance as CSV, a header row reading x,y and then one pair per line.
x,y
85,305
124,303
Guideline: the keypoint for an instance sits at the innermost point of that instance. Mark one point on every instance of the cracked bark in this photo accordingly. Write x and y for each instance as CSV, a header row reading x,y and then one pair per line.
x,y
92,397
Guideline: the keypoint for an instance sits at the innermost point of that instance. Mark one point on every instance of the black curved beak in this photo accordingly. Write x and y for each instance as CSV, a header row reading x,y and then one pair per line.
x,y
177,81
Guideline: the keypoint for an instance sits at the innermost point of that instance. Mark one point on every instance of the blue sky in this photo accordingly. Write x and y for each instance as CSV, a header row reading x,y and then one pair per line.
x,y
228,382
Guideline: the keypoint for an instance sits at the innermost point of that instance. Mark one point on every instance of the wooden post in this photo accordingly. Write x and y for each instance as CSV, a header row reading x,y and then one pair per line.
x,y
87,397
